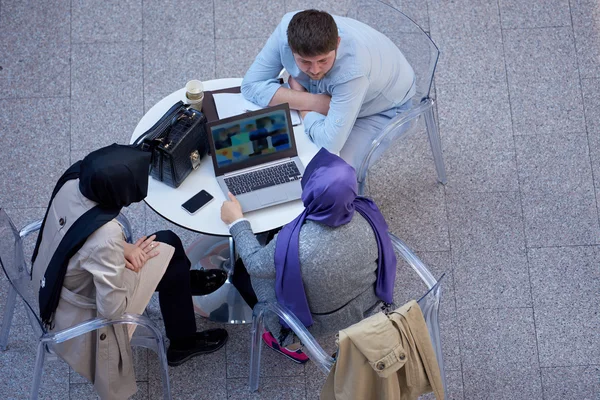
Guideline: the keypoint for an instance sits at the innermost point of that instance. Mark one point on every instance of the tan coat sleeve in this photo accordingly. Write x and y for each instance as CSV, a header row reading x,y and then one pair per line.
x,y
106,263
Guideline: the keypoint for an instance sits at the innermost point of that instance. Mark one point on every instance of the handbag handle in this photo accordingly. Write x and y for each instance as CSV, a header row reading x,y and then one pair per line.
x,y
160,125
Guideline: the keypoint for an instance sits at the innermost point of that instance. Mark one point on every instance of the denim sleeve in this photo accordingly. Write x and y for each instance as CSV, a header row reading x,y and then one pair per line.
x,y
331,131
260,82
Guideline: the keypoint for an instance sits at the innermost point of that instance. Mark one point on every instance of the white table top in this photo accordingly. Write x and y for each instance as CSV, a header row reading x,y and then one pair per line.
x,y
167,201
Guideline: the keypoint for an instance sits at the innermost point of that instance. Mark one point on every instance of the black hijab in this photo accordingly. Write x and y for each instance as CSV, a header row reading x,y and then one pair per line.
x,y
114,177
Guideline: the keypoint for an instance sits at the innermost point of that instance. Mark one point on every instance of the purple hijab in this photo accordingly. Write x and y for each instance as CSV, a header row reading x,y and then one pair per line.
x,y
329,195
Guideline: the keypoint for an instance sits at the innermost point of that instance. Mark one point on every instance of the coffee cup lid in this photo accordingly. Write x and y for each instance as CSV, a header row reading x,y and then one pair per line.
x,y
194,86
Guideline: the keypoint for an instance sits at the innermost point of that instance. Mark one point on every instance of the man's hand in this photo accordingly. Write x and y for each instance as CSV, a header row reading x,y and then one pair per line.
x,y
231,210
294,85
137,254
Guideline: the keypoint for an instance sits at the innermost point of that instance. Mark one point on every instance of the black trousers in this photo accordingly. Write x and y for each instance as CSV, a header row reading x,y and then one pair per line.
x,y
174,292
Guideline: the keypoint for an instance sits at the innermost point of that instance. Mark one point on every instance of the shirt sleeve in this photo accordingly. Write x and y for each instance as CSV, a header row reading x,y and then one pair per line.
x,y
259,260
332,131
106,263
260,82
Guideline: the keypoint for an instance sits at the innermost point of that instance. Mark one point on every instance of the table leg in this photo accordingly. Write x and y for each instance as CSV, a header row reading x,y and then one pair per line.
x,y
224,305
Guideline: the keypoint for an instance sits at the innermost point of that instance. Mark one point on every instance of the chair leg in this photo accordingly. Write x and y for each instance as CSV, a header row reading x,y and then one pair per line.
x,y
164,366
436,145
9,311
38,369
255,351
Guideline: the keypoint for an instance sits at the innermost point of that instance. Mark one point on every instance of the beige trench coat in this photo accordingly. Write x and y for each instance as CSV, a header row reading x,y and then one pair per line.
x,y
97,284
385,357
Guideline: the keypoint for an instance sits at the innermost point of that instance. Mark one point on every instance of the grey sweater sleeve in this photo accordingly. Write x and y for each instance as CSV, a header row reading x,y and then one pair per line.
x,y
259,260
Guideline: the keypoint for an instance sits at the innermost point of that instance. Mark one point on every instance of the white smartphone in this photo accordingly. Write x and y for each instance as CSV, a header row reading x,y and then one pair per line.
x,y
198,201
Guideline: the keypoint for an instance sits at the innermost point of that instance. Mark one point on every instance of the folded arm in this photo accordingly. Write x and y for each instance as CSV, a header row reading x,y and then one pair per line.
x,y
332,130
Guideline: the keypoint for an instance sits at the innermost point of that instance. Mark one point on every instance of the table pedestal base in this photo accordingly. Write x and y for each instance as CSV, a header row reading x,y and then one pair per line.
x,y
224,305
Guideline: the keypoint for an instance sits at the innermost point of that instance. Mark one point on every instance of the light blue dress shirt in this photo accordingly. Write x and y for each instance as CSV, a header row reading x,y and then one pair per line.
x,y
370,75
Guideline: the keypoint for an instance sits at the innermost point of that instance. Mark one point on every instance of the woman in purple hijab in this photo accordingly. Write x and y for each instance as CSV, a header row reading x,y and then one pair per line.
x,y
331,266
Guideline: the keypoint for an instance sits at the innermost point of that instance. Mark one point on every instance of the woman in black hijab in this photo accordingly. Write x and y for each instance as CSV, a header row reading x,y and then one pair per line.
x,y
85,268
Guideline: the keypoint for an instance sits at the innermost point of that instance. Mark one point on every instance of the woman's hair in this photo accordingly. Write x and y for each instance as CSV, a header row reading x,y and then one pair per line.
x,y
312,33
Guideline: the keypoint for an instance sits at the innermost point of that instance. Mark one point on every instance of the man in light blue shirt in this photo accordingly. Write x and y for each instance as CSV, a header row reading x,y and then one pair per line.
x,y
347,79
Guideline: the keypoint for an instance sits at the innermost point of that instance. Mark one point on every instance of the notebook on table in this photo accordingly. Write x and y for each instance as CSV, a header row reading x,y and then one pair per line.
x,y
255,157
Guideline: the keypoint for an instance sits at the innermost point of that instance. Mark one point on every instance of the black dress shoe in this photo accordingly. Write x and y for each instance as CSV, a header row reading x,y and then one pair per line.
x,y
205,342
205,281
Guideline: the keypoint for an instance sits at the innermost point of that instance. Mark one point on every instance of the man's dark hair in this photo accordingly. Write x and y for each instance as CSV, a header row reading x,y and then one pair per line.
x,y
312,33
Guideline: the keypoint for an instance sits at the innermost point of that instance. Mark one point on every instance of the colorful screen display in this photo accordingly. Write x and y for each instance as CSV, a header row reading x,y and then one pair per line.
x,y
251,138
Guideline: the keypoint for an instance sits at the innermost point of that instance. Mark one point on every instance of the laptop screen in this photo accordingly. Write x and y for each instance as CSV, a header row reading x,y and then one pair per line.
x,y
252,138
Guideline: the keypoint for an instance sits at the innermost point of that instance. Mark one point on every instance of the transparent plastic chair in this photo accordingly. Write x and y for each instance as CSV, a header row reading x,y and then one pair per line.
x,y
429,304
14,266
422,54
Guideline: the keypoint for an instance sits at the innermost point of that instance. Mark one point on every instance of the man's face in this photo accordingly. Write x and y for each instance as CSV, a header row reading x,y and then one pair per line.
x,y
315,67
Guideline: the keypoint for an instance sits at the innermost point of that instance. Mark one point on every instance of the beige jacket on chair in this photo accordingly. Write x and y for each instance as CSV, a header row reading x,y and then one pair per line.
x,y
385,357
97,284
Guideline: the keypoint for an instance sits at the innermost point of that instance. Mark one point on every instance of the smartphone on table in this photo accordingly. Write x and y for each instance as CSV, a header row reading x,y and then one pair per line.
x,y
199,200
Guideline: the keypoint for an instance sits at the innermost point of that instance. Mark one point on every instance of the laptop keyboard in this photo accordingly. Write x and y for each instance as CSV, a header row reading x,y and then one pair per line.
x,y
263,178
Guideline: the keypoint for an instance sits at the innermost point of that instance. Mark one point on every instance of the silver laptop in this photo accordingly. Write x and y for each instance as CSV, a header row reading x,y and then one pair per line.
x,y
255,157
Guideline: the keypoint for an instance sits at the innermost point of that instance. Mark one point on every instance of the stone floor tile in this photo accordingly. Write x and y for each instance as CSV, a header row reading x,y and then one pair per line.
x,y
82,391
550,164
454,388
586,16
591,105
539,54
548,268
167,68
473,107
18,362
491,278
470,59
502,382
560,219
497,338
549,106
535,13
271,363
485,221
411,199
571,382
37,158
201,377
39,72
249,19
106,78
168,24
331,6
314,377
567,334
481,161
234,56
415,9
106,21
36,22
291,388
462,18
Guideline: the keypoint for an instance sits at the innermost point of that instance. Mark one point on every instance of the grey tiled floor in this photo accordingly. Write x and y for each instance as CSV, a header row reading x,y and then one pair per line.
x,y
516,228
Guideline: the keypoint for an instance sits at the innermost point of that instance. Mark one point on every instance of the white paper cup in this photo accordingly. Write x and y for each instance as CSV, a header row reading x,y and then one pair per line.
x,y
194,90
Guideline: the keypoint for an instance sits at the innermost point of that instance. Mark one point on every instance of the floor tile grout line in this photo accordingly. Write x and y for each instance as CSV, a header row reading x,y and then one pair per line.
x,y
531,28
584,115
519,184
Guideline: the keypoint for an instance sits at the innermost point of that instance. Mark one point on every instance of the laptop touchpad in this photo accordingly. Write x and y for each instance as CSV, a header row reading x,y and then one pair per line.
x,y
272,197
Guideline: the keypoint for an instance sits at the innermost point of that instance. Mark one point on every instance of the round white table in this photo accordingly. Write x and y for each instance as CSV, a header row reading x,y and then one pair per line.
x,y
167,201
225,304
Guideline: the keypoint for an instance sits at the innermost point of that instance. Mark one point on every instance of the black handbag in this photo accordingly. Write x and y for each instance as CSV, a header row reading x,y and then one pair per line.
x,y
178,141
